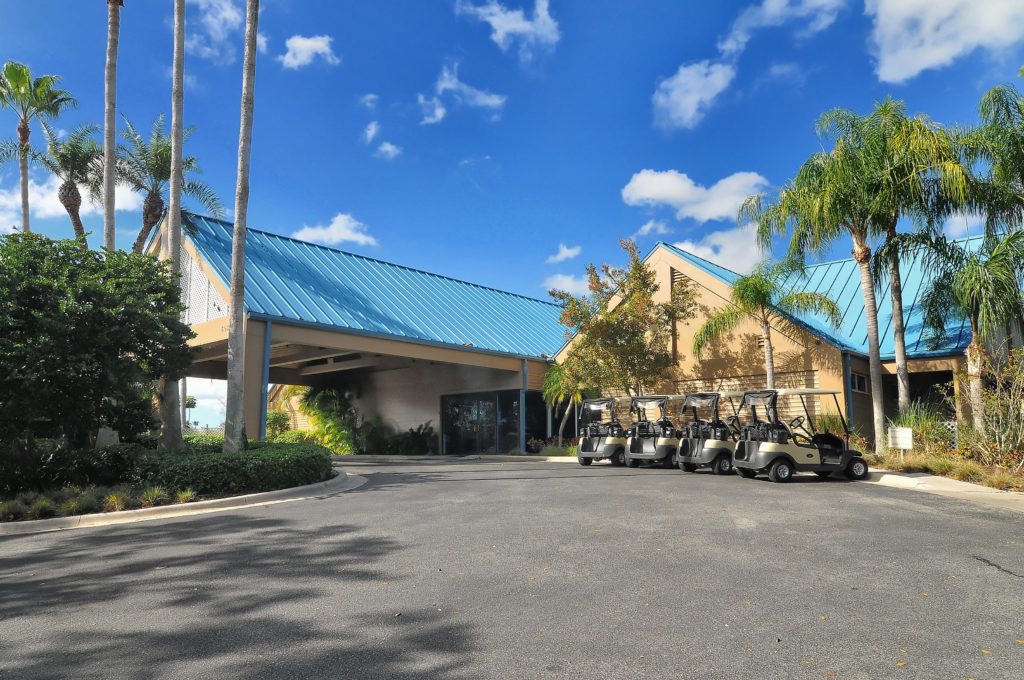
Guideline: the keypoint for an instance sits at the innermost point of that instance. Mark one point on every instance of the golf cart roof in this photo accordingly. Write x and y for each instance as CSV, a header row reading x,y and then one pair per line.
x,y
700,399
782,392
653,401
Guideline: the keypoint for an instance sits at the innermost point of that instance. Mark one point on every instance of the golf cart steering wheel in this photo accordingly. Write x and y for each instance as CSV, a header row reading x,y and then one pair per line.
x,y
799,438
731,423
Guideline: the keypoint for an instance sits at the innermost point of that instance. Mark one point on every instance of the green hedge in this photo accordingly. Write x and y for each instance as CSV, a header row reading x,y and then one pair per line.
x,y
268,467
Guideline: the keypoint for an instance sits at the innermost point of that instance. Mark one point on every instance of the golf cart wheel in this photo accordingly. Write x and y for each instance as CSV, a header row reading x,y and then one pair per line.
x,y
687,467
746,473
823,473
721,466
781,471
585,461
616,459
630,462
857,469
668,462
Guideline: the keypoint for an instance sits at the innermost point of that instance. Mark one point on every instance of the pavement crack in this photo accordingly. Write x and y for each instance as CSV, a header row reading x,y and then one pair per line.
x,y
1000,568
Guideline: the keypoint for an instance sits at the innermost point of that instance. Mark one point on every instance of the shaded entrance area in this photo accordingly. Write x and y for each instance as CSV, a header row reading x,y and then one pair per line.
x,y
489,422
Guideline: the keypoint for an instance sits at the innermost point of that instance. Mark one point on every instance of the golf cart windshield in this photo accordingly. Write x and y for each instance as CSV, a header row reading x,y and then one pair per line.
x,y
593,409
641,405
701,400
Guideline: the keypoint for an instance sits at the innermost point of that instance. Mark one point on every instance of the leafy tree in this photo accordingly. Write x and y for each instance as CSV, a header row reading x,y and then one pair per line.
x,y
234,430
278,421
75,161
982,286
83,334
620,335
30,98
145,166
763,297
563,383
904,164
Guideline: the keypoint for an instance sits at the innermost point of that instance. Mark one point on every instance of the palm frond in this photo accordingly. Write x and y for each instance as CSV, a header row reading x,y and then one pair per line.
x,y
799,303
205,195
716,327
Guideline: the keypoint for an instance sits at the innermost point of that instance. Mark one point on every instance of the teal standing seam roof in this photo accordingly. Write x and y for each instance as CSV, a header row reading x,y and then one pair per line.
x,y
291,280
840,280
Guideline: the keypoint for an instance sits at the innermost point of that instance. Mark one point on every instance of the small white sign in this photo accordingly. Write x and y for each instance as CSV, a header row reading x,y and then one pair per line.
x,y
901,438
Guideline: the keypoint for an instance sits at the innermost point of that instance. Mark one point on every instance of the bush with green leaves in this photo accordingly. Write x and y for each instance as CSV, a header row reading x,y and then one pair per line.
x,y
278,422
83,334
295,437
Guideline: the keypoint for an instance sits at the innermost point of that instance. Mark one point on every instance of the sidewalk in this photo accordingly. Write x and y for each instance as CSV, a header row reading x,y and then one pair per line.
x,y
951,488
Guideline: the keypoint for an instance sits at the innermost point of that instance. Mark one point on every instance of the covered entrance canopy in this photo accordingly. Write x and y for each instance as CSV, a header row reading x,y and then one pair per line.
x,y
399,339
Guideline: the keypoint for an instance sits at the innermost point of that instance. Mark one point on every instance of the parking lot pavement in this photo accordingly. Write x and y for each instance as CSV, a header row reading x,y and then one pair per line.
x,y
530,570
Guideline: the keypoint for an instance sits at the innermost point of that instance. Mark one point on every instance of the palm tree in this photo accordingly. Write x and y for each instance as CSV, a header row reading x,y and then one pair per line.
x,y
75,160
234,418
109,123
982,286
562,385
906,161
172,406
827,198
146,168
30,98
763,296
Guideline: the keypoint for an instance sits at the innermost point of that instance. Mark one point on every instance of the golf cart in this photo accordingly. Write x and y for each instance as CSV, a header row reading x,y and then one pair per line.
x,y
706,442
598,438
781,449
647,440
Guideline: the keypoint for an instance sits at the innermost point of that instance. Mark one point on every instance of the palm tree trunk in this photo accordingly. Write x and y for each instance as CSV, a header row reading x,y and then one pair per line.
x,y
234,423
71,198
109,108
23,134
862,254
171,432
152,211
898,328
769,354
974,386
561,426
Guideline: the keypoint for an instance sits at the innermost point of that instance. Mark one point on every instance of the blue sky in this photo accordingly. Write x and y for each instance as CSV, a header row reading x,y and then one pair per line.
x,y
473,137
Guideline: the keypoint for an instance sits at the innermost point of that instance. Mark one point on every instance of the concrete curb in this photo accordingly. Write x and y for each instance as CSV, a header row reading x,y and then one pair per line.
x,y
951,488
483,458
337,484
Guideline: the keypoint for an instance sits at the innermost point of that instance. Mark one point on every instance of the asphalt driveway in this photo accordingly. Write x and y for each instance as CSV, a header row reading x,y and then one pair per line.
x,y
530,570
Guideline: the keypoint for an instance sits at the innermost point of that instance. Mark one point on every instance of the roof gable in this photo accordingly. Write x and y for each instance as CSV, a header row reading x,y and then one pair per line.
x,y
294,280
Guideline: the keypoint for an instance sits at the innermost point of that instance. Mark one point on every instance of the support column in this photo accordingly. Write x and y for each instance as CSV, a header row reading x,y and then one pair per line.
x,y
254,374
547,406
525,370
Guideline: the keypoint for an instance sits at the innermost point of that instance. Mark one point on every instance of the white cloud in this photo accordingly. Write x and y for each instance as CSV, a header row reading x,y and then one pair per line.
x,y
964,224
44,202
910,36
682,100
577,285
388,151
302,50
371,132
369,101
218,32
510,26
653,227
343,228
448,82
211,399
564,253
734,249
261,43
433,109
817,15
673,188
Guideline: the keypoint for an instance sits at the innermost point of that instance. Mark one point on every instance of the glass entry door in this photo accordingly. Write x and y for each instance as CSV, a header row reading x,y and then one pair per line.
x,y
470,423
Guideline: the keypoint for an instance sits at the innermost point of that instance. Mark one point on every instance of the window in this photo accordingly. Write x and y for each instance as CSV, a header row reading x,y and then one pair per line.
x,y
859,383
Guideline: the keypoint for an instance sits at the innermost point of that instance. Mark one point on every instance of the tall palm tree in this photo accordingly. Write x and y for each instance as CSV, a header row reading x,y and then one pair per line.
x,y
109,121
75,160
906,161
234,418
171,392
763,297
981,285
145,166
827,198
561,385
30,98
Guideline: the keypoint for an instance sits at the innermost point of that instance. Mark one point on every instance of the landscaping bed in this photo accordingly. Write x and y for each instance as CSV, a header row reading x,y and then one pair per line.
x,y
128,476
953,467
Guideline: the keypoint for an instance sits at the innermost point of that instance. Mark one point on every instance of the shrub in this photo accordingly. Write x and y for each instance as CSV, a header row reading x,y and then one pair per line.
x,y
115,501
12,510
42,508
278,422
967,471
572,450
418,441
273,466
295,437
185,496
927,422
152,497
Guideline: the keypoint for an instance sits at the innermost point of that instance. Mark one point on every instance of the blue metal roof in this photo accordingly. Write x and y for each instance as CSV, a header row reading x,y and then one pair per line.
x,y
840,280
297,281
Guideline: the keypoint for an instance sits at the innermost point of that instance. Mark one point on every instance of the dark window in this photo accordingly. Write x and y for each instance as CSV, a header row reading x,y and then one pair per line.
x,y
859,383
